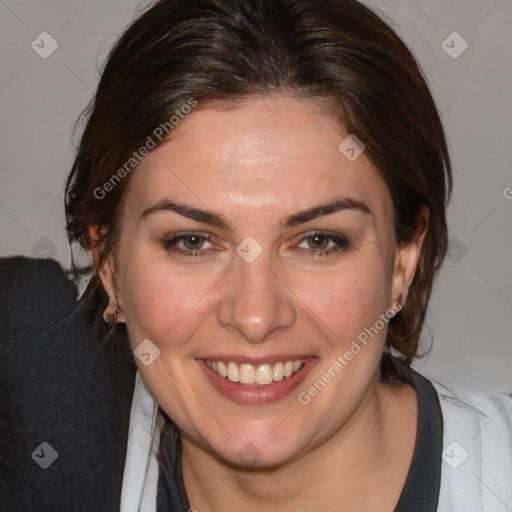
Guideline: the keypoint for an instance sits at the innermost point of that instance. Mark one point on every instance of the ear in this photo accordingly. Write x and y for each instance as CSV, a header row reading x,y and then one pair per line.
x,y
105,272
94,235
407,257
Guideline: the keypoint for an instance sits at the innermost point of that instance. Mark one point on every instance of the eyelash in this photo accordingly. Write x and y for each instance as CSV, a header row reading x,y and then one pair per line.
x,y
342,244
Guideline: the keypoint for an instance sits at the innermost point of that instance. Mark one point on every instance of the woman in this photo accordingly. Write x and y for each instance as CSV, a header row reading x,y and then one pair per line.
x,y
263,187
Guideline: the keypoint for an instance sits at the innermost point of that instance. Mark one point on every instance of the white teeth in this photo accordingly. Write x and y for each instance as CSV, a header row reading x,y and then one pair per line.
x,y
233,374
262,375
247,374
222,369
278,372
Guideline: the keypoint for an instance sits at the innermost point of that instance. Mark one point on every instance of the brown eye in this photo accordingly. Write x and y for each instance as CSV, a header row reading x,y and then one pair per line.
x,y
318,244
192,244
319,240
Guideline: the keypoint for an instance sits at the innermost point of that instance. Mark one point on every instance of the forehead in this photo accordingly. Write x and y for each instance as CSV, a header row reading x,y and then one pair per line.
x,y
268,153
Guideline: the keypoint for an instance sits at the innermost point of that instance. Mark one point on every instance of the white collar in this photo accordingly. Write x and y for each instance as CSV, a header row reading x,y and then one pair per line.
x,y
140,478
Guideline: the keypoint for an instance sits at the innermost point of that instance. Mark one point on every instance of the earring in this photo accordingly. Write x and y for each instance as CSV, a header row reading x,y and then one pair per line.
x,y
110,316
400,299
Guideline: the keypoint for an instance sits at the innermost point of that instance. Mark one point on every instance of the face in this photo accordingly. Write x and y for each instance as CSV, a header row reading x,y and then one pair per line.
x,y
239,277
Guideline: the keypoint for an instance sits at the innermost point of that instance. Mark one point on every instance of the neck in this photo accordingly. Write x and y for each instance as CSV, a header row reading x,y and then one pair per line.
x,y
363,465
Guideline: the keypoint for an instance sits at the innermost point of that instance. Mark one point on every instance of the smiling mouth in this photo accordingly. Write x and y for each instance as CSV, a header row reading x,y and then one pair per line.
x,y
255,375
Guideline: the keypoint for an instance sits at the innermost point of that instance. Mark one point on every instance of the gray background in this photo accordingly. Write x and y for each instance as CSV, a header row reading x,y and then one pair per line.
x,y
470,314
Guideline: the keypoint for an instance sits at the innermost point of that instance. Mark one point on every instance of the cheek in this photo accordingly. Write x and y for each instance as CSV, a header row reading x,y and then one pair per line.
x,y
347,300
159,304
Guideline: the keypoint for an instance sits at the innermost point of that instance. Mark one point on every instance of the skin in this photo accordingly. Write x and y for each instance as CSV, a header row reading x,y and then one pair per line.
x,y
256,164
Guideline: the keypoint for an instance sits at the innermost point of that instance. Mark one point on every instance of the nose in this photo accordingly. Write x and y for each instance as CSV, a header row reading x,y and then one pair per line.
x,y
255,301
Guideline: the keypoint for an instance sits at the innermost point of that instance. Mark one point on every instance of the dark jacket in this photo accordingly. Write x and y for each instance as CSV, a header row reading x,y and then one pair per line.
x,y
61,385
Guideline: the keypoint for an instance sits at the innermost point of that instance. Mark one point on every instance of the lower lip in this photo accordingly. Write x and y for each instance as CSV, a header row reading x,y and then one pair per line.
x,y
255,395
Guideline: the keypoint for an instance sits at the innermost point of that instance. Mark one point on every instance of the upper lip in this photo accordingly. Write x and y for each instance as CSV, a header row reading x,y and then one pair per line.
x,y
256,361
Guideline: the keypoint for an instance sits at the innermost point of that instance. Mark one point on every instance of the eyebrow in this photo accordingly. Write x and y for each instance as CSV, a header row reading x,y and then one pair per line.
x,y
219,221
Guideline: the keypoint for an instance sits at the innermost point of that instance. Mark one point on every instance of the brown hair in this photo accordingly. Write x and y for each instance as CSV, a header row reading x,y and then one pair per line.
x,y
224,50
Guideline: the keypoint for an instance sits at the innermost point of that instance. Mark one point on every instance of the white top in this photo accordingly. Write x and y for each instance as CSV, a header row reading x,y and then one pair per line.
x,y
140,477
476,473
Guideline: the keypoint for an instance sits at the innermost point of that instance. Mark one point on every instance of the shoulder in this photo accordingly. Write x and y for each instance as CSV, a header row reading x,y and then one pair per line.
x,y
22,270
64,386
477,449
489,410
34,291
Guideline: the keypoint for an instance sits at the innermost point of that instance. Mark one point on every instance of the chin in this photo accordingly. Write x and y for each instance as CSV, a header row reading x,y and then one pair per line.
x,y
256,453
